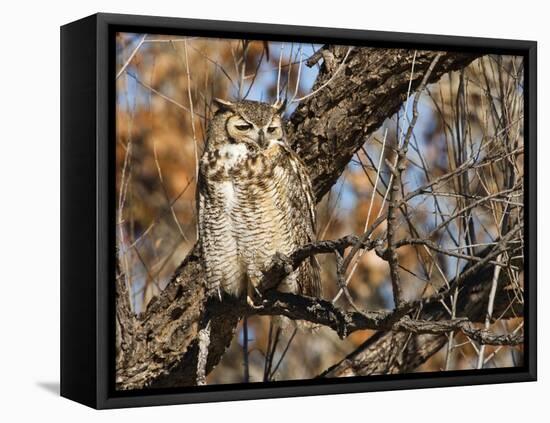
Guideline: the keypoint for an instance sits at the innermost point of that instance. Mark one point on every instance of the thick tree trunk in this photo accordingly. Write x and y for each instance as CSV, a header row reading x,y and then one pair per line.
x,y
160,346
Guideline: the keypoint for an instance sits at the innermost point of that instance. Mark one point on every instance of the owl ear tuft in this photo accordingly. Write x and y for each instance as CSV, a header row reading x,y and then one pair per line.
x,y
224,104
280,107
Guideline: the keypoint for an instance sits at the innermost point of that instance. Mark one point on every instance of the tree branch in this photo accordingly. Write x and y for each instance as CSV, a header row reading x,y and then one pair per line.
x,y
410,351
344,323
325,130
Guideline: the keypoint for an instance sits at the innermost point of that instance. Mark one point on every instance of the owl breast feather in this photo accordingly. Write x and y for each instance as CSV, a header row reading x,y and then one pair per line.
x,y
253,205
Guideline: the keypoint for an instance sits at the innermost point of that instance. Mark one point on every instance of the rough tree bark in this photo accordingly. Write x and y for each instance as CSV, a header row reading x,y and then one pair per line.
x,y
159,347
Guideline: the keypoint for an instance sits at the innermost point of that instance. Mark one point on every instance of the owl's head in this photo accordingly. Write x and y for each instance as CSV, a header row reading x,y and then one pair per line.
x,y
252,123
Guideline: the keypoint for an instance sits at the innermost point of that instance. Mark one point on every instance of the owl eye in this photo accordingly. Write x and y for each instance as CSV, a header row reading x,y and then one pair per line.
x,y
244,127
271,129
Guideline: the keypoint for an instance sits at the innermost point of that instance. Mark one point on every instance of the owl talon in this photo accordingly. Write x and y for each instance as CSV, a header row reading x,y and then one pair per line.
x,y
250,302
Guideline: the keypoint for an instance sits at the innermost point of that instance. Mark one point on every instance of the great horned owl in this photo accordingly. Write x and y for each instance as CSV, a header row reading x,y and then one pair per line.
x,y
254,199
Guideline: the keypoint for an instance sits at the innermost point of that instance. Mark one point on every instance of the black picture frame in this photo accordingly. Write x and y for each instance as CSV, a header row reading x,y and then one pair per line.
x,y
87,210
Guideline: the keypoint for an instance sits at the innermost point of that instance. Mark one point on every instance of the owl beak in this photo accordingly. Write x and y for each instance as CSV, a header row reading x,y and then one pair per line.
x,y
261,139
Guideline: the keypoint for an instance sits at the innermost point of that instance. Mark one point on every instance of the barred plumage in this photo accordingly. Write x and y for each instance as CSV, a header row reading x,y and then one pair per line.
x,y
254,199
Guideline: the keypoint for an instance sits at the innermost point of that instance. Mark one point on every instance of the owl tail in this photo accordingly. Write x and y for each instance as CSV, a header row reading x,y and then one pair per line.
x,y
309,282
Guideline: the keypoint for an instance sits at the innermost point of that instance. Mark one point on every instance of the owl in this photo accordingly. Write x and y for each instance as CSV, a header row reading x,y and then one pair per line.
x,y
254,199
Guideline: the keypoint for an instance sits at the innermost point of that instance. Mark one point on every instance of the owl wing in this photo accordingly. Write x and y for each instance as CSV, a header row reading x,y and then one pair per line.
x,y
302,200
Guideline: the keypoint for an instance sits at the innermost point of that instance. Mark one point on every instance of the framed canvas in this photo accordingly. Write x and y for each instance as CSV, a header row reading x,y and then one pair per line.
x,y
256,211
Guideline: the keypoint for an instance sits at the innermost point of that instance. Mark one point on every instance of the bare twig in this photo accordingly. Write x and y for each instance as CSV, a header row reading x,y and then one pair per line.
x,y
204,342
125,65
397,172
192,117
490,306
246,366
311,94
